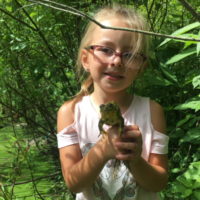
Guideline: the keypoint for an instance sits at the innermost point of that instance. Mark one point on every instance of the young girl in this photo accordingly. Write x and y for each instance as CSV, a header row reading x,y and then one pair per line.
x,y
112,60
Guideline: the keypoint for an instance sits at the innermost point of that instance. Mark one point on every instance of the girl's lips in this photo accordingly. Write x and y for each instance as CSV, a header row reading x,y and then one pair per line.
x,y
114,76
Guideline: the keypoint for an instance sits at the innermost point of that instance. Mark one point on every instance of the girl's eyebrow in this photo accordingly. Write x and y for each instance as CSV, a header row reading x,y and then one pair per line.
x,y
111,44
106,42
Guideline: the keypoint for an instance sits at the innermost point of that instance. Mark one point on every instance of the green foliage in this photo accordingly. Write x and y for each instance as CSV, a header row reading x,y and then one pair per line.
x,y
185,129
182,32
38,49
187,185
175,68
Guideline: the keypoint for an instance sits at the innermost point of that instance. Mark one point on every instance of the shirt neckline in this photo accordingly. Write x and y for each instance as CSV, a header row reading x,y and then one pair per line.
x,y
130,106
96,108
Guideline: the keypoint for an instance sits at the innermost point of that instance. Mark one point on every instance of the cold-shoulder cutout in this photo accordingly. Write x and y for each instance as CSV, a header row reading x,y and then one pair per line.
x,y
157,117
65,115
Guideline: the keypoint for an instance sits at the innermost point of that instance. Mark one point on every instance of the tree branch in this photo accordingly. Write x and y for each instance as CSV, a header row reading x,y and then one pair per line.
x,y
19,20
46,42
190,9
38,30
33,180
74,11
28,119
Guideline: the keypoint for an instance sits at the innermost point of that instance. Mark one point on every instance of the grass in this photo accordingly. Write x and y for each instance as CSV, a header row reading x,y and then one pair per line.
x,y
19,163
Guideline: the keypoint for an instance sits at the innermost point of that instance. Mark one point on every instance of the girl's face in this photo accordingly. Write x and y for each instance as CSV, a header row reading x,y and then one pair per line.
x,y
107,58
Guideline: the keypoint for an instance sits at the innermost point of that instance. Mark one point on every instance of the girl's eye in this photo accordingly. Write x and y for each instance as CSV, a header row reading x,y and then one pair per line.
x,y
105,50
127,55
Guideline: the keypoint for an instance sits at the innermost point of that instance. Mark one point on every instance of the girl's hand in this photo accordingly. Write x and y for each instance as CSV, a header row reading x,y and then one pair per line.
x,y
108,142
128,147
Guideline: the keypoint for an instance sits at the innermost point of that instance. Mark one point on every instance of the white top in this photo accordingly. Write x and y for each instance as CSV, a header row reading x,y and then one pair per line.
x,y
115,182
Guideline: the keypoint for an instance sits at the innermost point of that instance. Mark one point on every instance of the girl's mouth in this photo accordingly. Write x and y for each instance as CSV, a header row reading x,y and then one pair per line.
x,y
113,76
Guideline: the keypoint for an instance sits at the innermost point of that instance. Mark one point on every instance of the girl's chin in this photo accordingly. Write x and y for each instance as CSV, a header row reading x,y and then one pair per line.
x,y
113,86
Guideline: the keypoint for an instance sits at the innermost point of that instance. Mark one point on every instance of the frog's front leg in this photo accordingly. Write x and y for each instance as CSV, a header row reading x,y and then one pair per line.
x,y
101,123
121,127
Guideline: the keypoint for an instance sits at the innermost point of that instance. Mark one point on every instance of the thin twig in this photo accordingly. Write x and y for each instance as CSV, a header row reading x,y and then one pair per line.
x,y
28,119
19,20
38,30
35,179
65,8
190,9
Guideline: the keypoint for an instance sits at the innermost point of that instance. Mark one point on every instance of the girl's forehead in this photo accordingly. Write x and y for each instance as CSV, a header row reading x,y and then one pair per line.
x,y
108,35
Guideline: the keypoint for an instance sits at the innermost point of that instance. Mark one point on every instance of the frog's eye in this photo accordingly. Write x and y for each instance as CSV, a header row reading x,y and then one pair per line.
x,y
101,106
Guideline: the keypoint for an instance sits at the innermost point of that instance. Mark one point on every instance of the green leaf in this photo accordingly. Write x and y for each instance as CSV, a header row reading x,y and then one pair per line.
x,y
192,136
184,191
196,82
193,103
198,45
160,81
183,121
187,183
33,14
9,8
181,31
197,194
186,28
181,56
189,43
47,74
168,74
197,183
198,48
19,46
175,170
185,180
193,171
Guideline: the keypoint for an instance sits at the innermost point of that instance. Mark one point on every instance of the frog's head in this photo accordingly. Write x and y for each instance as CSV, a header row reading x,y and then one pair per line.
x,y
110,112
111,115
109,107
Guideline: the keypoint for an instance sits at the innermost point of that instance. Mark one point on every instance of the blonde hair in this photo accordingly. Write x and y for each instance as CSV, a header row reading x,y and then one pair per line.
x,y
139,41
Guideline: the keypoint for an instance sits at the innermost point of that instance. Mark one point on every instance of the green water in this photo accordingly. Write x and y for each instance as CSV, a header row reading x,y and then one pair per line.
x,y
19,163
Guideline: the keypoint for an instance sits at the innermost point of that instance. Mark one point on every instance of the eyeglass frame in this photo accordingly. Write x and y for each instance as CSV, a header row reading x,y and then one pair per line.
x,y
120,54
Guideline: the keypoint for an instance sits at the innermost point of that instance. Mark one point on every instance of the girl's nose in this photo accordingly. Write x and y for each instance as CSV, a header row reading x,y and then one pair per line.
x,y
117,60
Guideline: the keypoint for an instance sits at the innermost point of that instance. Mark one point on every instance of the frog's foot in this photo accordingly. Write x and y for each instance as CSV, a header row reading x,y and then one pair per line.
x,y
121,130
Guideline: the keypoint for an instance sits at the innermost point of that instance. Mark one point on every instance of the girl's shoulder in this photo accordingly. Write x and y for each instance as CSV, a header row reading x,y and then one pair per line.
x,y
65,115
144,104
157,116
141,101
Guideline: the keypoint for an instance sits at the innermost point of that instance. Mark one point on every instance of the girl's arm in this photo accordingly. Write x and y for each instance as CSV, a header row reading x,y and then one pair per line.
x,y
151,175
80,172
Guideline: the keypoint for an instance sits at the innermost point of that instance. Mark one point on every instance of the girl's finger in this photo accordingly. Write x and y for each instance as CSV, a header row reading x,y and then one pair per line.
x,y
131,127
133,136
123,156
121,146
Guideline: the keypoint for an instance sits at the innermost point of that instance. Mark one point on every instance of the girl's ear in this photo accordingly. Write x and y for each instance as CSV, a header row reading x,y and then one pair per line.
x,y
85,60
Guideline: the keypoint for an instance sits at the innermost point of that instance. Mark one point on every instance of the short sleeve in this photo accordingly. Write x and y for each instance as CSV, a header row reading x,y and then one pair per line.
x,y
159,143
67,136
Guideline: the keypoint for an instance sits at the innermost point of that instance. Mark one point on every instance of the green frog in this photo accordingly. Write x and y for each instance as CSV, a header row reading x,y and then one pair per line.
x,y
111,115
